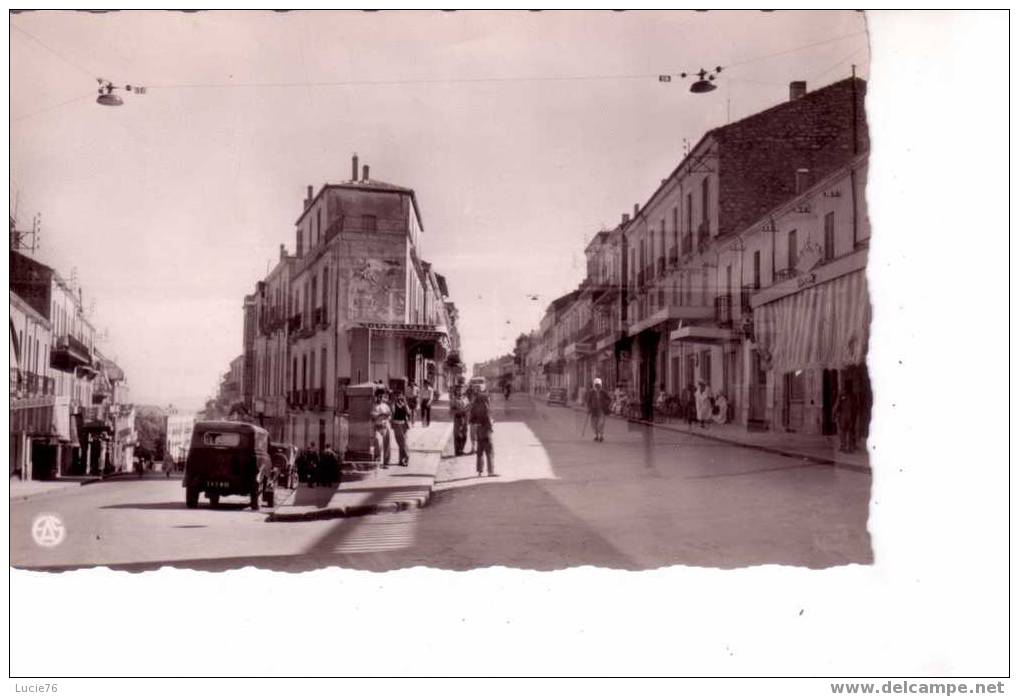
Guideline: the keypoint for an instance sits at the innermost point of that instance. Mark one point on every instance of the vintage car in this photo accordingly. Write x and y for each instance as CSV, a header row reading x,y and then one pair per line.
x,y
284,463
229,458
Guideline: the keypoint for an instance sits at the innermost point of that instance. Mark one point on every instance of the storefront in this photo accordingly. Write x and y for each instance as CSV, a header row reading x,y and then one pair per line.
x,y
811,344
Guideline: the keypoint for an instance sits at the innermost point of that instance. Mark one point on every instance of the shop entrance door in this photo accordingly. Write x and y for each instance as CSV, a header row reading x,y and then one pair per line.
x,y
758,390
829,393
793,401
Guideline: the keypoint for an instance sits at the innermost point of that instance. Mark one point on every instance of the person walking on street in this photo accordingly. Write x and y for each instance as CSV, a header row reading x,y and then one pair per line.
x,y
460,407
426,403
328,467
311,465
845,414
381,414
401,422
481,415
704,404
598,405
411,393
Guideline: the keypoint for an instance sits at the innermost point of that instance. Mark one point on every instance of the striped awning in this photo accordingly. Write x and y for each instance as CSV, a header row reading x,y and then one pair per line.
x,y
823,325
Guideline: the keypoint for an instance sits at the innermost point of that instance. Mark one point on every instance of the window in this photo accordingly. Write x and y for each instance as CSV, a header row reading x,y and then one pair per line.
x,y
322,370
706,367
728,278
325,291
318,225
757,269
829,236
791,251
221,440
704,200
675,227
368,223
689,213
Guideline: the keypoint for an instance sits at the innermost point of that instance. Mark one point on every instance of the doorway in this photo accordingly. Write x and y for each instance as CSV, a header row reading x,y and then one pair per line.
x,y
792,413
829,393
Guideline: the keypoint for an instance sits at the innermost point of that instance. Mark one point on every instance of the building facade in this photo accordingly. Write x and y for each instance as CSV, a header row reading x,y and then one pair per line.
x,y
356,303
54,366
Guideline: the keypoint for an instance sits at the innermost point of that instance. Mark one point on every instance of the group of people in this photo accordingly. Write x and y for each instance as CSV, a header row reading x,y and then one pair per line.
x,y
472,418
314,467
700,406
394,412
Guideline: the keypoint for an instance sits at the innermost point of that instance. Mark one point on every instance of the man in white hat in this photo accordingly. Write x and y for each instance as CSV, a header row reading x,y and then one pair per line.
x,y
598,405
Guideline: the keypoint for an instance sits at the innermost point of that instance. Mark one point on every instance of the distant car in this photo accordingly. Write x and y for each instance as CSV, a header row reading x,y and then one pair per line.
x,y
229,458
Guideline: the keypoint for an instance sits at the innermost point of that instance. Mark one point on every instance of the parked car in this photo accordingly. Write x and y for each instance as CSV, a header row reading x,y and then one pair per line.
x,y
284,463
229,458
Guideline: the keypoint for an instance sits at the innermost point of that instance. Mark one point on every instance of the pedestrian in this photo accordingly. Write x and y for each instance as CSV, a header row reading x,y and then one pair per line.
x,y
328,466
460,406
703,403
426,403
411,393
598,405
381,414
481,415
845,414
721,413
401,422
311,465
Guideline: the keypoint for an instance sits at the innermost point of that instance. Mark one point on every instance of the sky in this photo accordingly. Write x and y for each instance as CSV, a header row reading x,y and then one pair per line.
x,y
522,134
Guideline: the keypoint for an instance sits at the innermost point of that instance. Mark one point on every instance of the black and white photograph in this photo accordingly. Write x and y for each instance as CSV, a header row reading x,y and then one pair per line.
x,y
623,323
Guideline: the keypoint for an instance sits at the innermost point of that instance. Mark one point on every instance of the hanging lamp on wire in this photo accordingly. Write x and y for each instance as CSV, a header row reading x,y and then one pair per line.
x,y
107,97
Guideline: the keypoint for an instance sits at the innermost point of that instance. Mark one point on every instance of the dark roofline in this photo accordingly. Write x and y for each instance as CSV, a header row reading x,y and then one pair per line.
x,y
377,187
718,131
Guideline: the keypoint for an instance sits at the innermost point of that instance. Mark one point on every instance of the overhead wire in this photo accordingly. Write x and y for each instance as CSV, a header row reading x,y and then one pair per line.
x,y
73,64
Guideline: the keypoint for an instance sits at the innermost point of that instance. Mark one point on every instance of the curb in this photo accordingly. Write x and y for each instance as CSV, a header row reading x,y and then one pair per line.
x,y
819,459
410,502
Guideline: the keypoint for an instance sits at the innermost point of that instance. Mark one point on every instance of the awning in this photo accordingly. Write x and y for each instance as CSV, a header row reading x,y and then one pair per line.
x,y
702,334
421,332
827,325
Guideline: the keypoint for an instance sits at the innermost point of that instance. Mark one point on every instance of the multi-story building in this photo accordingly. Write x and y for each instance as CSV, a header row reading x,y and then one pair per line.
x,y
54,350
179,427
108,422
360,305
679,279
607,256
802,269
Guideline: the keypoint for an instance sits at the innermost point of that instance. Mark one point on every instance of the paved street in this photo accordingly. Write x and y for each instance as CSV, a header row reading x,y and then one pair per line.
x,y
644,498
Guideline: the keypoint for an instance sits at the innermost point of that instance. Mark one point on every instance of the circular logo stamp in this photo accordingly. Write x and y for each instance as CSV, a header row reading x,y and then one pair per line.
x,y
48,530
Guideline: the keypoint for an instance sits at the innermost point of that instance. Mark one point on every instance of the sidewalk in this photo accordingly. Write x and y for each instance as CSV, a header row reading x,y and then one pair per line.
x,y
383,491
822,449
29,488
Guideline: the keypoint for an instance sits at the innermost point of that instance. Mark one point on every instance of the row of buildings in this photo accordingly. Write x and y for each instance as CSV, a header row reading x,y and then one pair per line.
x,y
70,412
354,303
745,269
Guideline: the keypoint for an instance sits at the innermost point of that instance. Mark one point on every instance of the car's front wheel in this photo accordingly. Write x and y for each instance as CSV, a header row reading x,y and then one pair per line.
x,y
255,491
214,500
191,497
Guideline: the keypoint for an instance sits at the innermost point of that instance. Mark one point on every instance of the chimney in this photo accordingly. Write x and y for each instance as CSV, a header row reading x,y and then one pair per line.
x,y
626,218
636,210
311,195
353,171
802,180
283,252
797,89
364,173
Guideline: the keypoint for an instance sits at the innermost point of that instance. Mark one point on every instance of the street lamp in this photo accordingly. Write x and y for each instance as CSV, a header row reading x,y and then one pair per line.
x,y
108,98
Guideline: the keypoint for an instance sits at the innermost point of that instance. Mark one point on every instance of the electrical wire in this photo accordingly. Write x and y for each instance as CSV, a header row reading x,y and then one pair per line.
x,y
794,50
836,65
52,107
73,64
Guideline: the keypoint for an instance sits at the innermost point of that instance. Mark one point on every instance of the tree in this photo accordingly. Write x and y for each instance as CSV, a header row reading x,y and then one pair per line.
x,y
150,423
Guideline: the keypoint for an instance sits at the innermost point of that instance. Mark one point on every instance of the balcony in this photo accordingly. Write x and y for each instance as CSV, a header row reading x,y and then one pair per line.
x,y
27,384
69,353
674,257
785,274
687,243
294,323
